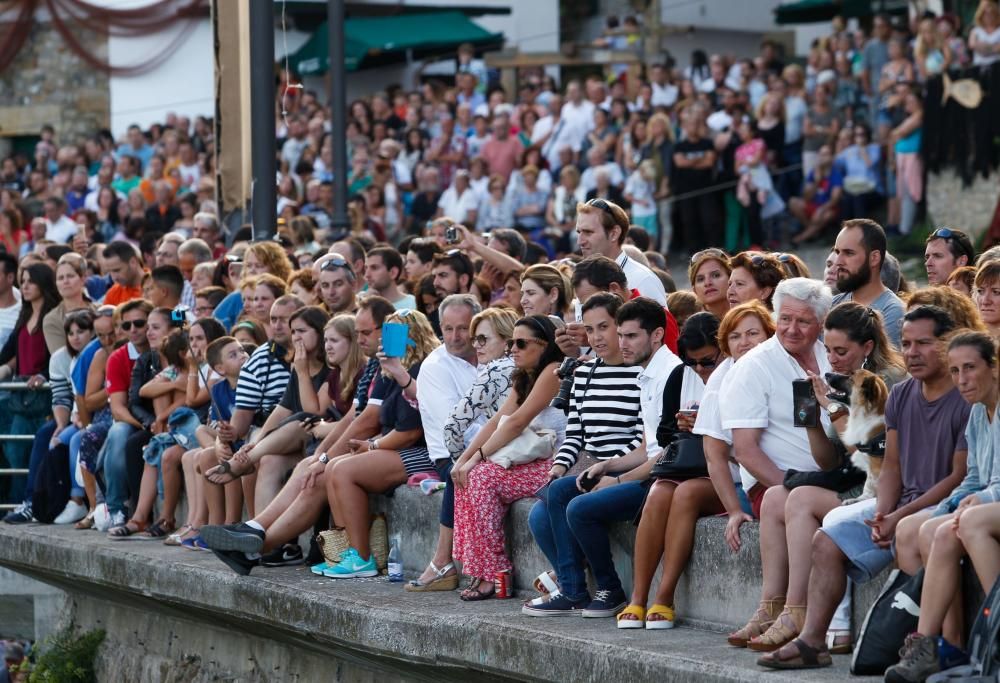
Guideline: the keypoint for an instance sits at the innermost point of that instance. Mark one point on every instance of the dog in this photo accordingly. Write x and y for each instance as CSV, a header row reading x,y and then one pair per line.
x,y
865,393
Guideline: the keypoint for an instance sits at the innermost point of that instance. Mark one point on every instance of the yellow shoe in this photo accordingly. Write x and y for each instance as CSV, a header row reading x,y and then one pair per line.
x,y
665,620
636,617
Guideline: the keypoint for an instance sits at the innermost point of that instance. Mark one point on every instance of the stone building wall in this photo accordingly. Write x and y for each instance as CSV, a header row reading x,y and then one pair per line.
x,y
49,83
965,208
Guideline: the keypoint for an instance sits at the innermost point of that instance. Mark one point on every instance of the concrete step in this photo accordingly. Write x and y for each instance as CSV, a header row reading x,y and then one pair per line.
x,y
368,622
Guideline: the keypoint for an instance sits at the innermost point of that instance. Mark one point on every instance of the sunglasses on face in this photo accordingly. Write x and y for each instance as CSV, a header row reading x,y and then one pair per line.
x,y
139,324
522,344
480,340
706,363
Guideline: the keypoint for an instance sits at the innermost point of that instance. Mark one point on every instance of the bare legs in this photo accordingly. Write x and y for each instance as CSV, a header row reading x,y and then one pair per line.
x,y
649,539
348,482
804,511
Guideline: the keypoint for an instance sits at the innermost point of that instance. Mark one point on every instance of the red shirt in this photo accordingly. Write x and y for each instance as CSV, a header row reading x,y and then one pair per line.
x,y
502,155
32,353
672,332
118,376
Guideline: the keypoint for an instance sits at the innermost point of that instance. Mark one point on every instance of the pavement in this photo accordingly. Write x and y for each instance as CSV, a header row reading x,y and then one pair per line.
x,y
373,618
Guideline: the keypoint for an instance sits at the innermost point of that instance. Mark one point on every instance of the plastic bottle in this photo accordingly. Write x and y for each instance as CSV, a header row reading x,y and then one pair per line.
x,y
395,568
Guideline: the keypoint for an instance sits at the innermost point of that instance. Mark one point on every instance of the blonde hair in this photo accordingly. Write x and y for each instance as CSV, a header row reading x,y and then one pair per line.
x,y
74,261
275,284
762,105
660,117
420,332
344,325
273,257
502,320
984,5
959,307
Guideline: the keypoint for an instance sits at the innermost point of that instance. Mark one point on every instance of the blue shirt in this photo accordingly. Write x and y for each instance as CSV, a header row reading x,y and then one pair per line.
x,y
78,376
223,396
983,476
143,154
229,309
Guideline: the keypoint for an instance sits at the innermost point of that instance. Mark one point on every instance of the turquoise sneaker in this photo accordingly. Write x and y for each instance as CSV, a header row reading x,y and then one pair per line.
x,y
351,566
318,569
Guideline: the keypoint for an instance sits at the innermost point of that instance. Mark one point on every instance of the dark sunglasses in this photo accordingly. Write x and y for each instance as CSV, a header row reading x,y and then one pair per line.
x,y
480,340
105,312
943,233
759,260
706,363
784,258
522,344
139,324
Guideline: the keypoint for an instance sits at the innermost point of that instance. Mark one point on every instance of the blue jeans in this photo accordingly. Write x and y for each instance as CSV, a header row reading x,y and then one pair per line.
x,y
77,490
39,449
570,526
114,466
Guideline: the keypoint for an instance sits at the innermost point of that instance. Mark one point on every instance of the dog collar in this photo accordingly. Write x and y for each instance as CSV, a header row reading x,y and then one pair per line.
x,y
875,446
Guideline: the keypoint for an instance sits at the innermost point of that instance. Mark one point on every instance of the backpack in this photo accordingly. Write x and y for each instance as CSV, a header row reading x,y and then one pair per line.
x,y
984,648
52,485
891,618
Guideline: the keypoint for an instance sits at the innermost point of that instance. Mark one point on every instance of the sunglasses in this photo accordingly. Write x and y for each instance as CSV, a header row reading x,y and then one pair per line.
x,y
943,233
480,340
127,324
784,258
234,258
706,363
522,344
712,252
760,260
105,312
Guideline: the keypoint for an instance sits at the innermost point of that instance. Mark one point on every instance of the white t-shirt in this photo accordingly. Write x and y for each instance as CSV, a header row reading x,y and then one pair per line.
x,y
991,38
457,207
643,279
640,190
8,319
441,383
60,232
588,179
758,395
190,175
651,382
580,118
664,95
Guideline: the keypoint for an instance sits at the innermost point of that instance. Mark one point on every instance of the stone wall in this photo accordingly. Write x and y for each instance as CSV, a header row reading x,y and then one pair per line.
x,y
964,208
49,83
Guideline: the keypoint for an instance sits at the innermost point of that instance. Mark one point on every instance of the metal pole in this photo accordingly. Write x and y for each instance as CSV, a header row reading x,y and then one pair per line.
x,y
338,108
262,99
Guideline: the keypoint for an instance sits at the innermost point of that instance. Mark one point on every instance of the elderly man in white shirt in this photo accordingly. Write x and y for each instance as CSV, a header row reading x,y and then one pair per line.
x,y
445,377
757,405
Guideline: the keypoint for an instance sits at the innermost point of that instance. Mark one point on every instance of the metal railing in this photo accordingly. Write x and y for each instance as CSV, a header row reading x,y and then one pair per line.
x,y
16,471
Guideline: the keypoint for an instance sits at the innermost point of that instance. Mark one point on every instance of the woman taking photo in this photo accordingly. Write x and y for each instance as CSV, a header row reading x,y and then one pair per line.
x,y
484,490
489,331
855,339
71,276
753,276
545,290
709,273
666,529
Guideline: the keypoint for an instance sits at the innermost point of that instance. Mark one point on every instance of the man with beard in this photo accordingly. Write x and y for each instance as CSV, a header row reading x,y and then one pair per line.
x,y
859,253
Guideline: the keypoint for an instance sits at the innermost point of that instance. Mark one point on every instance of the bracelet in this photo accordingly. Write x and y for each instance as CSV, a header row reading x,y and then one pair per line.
x,y
371,444
404,386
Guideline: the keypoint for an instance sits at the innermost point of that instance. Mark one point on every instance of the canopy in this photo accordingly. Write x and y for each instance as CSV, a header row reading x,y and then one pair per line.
x,y
811,11
368,38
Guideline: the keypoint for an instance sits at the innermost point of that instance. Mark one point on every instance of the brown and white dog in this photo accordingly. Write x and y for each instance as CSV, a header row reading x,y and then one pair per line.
x,y
865,393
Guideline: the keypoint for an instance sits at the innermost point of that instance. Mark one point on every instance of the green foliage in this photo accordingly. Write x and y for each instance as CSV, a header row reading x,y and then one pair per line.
x,y
67,657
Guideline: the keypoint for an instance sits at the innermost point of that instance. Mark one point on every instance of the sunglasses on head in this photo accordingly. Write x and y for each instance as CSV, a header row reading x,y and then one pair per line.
x,y
760,259
139,324
706,363
711,252
784,258
522,344
943,233
105,312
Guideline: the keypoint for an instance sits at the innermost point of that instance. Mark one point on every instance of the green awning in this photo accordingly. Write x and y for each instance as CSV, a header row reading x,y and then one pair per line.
x,y
369,38
812,11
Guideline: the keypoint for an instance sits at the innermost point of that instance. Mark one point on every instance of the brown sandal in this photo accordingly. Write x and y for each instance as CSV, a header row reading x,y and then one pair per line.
x,y
766,613
797,655
126,530
784,630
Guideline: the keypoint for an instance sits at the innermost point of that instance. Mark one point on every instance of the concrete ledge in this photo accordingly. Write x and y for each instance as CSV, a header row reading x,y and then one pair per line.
x,y
371,624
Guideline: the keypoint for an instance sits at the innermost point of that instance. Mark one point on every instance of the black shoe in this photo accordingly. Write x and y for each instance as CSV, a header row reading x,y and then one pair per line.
x,y
236,561
287,555
22,514
606,603
242,537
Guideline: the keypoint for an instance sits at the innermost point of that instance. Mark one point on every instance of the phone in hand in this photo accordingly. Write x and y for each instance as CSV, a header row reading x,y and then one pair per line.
x,y
805,404
587,483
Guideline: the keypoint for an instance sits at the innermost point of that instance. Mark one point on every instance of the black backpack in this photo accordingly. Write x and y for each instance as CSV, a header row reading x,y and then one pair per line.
x,y
891,618
52,485
984,646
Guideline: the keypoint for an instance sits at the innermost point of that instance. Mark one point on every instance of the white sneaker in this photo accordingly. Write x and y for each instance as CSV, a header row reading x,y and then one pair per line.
x,y
72,513
102,519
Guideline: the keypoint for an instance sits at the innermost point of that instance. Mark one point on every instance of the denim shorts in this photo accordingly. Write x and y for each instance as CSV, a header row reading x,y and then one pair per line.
x,y
849,532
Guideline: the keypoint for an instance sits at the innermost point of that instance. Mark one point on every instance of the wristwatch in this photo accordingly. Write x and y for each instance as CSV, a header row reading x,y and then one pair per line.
x,y
835,409
323,459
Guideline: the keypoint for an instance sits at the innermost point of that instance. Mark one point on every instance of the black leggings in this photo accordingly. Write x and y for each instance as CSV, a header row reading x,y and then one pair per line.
x,y
134,465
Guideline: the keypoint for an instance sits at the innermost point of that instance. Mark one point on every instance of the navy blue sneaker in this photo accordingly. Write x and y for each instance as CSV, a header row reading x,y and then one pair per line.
x,y
236,561
606,603
287,555
242,537
557,605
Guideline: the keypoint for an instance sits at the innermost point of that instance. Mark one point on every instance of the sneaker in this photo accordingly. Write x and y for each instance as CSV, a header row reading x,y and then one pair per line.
x,y
20,515
237,561
194,543
72,513
287,555
606,604
918,659
114,519
352,566
242,537
557,605
318,569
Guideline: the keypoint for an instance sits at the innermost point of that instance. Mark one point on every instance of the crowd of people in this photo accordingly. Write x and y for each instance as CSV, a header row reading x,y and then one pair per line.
x,y
520,249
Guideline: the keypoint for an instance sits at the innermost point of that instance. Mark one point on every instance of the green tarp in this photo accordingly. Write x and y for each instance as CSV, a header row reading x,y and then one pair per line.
x,y
367,37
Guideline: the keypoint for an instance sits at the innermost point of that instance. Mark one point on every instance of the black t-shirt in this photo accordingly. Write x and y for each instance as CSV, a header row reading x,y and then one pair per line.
x,y
689,179
424,208
667,428
291,400
395,412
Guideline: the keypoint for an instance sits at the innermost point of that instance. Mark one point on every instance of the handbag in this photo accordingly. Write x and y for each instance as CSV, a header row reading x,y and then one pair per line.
x,y
840,480
528,446
683,458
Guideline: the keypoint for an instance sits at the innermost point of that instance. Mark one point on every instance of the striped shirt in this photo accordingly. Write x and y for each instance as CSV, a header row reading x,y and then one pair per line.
x,y
365,385
262,380
605,413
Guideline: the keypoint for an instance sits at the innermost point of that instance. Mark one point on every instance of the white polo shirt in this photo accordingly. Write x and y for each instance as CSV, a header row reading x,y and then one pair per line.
x,y
442,382
758,395
643,279
651,382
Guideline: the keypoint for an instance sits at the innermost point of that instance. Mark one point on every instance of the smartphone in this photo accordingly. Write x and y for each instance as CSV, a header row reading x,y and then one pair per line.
x,y
451,235
588,483
805,404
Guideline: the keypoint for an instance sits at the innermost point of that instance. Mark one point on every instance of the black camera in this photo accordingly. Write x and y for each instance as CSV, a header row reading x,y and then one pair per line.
x,y
451,235
565,373
178,317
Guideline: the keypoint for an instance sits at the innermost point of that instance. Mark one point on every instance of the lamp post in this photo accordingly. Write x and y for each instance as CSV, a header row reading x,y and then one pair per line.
x,y
262,142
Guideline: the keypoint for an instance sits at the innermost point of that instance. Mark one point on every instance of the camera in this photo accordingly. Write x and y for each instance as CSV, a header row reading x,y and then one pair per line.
x,y
178,317
451,235
565,374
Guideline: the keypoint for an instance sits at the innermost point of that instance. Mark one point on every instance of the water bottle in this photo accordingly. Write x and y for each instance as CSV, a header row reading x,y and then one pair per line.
x,y
395,563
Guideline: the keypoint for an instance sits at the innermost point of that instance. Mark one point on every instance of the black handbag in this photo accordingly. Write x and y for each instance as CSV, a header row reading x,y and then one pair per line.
x,y
841,479
683,458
